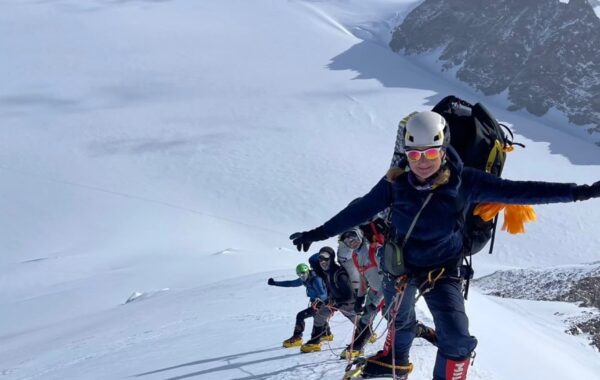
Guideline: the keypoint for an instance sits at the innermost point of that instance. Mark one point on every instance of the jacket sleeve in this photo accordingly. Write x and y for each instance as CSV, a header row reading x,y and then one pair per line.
x,y
320,289
484,187
376,200
289,284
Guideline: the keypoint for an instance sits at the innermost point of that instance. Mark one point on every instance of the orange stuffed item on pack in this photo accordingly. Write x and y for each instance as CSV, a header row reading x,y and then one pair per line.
x,y
515,216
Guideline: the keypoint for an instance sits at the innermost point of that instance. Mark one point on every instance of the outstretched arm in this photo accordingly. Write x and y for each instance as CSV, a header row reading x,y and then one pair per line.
x,y
484,187
354,214
286,284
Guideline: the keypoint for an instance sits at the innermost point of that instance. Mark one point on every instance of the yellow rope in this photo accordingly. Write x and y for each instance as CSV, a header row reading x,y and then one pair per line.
x,y
408,367
439,275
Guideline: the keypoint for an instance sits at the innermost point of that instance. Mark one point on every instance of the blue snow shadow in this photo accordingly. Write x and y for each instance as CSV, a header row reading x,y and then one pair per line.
x,y
239,366
372,61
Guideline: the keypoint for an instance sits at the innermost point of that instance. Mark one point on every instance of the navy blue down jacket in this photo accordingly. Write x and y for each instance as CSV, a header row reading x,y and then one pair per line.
x,y
437,238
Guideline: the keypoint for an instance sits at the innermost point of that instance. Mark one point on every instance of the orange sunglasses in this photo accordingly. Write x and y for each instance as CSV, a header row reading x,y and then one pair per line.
x,y
430,154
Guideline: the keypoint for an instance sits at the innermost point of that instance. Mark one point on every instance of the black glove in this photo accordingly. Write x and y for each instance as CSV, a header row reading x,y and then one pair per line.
x,y
358,304
317,304
271,281
303,240
585,192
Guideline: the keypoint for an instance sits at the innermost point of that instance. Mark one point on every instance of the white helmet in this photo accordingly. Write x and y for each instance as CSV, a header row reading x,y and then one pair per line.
x,y
426,129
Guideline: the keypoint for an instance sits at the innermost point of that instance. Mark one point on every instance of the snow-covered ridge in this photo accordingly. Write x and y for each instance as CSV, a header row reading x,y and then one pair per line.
x,y
547,284
577,283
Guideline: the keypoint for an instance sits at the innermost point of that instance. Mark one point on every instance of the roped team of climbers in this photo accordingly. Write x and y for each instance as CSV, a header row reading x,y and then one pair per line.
x,y
352,286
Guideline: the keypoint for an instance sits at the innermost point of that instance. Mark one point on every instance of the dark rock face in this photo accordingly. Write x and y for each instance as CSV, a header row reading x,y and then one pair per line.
x,y
586,291
591,327
544,52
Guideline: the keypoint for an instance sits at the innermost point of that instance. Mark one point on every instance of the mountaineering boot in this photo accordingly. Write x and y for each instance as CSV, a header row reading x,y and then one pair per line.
x,y
426,333
348,354
355,349
327,335
362,333
380,365
310,347
294,341
314,344
450,369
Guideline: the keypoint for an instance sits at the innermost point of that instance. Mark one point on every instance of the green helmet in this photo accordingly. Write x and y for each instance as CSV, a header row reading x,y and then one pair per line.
x,y
302,269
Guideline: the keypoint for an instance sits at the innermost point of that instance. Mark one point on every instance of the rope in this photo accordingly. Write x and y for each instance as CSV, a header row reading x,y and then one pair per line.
x,y
401,284
332,310
431,280
349,353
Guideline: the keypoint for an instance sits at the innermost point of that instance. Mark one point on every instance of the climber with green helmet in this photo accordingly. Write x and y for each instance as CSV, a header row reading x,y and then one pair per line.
x,y
316,292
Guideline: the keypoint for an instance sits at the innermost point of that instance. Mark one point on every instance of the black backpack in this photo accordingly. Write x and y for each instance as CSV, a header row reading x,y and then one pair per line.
x,y
481,142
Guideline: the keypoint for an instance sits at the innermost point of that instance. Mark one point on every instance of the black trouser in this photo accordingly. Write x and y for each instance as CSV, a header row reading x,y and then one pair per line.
x,y
309,312
321,325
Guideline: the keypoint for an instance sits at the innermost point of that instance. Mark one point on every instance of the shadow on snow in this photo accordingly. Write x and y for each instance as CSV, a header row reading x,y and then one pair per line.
x,y
373,61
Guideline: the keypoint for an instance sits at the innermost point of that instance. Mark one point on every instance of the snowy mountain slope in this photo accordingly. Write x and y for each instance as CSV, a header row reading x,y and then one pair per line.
x,y
177,335
175,144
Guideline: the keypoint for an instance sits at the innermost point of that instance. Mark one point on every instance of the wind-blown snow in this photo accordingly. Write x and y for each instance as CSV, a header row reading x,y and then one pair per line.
x,y
147,145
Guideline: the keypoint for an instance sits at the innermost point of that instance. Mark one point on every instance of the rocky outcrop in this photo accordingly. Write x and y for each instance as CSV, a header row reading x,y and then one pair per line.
x,y
578,284
544,53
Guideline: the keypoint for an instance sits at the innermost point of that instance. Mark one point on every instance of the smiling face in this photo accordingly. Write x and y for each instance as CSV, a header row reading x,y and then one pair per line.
x,y
325,262
425,167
